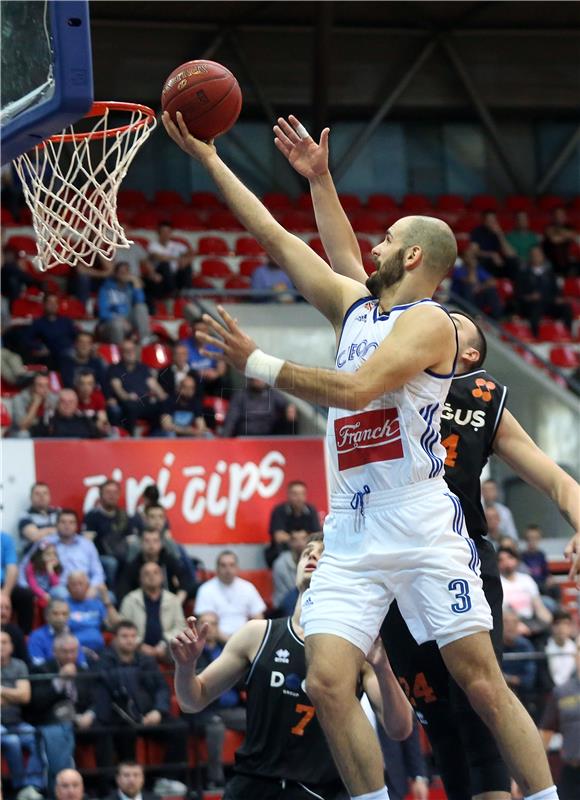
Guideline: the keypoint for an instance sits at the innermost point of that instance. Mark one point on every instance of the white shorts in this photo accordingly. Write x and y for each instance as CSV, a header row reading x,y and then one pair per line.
x,y
410,545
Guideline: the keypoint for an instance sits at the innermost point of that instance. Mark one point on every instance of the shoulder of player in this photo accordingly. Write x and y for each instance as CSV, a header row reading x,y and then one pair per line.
x,y
352,293
248,640
430,318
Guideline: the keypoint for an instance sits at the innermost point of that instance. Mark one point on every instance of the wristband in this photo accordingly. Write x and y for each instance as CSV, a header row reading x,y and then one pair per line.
x,y
263,367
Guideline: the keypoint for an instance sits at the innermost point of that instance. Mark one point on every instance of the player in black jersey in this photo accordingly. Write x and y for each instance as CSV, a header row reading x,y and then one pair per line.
x,y
474,424
284,755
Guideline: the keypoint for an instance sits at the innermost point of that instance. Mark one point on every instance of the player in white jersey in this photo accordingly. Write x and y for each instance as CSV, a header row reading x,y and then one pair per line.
x,y
403,536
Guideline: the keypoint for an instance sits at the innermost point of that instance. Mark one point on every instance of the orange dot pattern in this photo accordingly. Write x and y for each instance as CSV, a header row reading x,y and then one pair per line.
x,y
483,389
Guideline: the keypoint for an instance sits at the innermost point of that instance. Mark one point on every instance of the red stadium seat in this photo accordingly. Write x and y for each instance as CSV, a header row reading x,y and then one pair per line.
x,y
316,244
110,353
276,201
548,202
553,330
484,202
158,329
24,244
248,265
368,222
463,243
382,203
538,221
202,282
467,222
350,202
519,202
205,201
565,357
186,219
166,197
6,217
365,244
262,580
147,218
214,268
415,203
72,307
505,289
24,307
506,220
237,282
520,329
5,418
184,331
450,202
131,198
223,220
304,202
213,246
247,246
156,355
298,221
572,287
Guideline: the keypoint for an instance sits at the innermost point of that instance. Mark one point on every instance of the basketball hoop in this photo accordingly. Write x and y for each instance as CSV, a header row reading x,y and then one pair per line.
x,y
70,183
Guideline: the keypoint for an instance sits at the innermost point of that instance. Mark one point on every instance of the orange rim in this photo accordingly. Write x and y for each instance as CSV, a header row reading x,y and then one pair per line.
x,y
99,109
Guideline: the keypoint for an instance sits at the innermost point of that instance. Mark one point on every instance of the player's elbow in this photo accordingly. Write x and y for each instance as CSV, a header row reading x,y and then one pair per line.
x,y
359,395
400,726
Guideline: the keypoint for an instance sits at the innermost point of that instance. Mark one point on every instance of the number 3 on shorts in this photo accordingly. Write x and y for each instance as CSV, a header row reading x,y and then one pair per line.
x,y
461,589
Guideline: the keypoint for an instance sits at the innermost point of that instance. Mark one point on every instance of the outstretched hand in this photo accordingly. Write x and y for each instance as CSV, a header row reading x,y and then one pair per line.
x,y
186,140
188,645
572,553
307,157
235,345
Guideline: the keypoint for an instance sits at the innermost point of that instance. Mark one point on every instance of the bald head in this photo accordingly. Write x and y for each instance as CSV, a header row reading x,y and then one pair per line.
x,y
434,237
69,785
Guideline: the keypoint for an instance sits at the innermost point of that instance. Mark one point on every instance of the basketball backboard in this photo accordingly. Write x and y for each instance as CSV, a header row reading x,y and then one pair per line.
x,y
46,78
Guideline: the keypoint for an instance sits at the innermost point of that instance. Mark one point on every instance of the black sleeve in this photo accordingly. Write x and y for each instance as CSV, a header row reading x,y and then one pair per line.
x,y
315,520
44,695
178,577
278,519
159,689
128,578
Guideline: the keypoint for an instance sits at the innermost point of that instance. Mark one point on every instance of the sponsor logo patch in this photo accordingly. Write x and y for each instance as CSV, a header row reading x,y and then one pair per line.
x,y
282,657
368,437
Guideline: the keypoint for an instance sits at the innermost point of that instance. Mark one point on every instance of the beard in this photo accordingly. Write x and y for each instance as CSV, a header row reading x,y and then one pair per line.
x,y
390,273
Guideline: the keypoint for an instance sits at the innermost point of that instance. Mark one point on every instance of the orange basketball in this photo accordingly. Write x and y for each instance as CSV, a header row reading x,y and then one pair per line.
x,y
208,96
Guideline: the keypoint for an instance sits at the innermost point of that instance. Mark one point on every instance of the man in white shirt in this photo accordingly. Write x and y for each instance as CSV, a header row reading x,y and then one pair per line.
x,y
561,649
232,598
171,264
520,592
490,495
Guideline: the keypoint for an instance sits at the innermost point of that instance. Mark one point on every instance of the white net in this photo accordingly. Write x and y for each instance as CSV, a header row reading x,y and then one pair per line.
x,y
70,183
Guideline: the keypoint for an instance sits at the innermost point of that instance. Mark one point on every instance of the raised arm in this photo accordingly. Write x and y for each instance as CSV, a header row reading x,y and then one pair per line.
x,y
331,294
385,695
311,161
422,338
513,445
195,692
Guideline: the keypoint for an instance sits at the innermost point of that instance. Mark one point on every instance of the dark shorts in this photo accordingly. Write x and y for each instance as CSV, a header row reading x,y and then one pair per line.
x,y
254,787
464,749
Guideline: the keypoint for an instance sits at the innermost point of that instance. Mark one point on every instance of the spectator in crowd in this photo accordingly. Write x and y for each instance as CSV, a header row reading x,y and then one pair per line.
x,y
274,283
89,615
534,559
69,785
405,767
83,358
473,283
40,518
62,704
284,568
233,599
538,293
92,403
563,714
171,377
14,276
32,407
259,410
494,531
21,596
12,369
495,252
171,264
81,280
76,552
68,422
18,640
490,497
43,572
175,577
134,392
55,332
559,242
521,594
109,525
41,640
210,371
225,712
156,520
122,308
130,782
156,612
560,648
295,514
150,497
17,735
522,238
182,414
520,673
131,687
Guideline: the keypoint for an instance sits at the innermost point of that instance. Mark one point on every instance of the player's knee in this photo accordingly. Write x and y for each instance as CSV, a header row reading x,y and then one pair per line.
x,y
485,696
324,687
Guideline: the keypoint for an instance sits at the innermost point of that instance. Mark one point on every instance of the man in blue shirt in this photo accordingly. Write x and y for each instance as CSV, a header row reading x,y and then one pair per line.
x,y
76,553
89,615
275,284
122,306
83,358
21,596
497,254
56,333
210,370
474,283
41,640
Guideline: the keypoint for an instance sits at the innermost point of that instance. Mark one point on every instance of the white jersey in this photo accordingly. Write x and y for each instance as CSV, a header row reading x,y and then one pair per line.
x,y
393,442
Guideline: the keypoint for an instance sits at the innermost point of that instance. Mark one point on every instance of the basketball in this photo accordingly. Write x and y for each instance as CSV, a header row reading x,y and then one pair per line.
x,y
208,96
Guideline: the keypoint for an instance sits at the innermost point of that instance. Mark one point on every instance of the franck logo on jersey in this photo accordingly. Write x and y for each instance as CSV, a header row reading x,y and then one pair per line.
x,y
282,657
368,437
